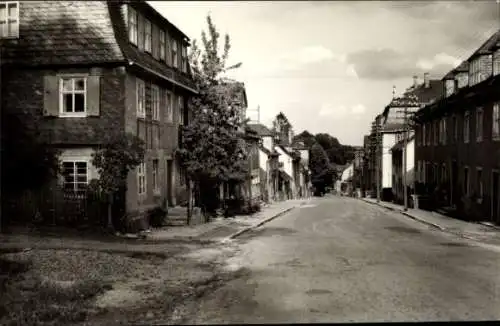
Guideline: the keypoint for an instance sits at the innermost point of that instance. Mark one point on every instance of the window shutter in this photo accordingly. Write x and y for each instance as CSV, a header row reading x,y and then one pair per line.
x,y
93,95
51,96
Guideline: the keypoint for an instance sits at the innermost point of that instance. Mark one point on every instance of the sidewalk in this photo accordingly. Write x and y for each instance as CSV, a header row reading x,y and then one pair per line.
x,y
158,241
468,230
224,228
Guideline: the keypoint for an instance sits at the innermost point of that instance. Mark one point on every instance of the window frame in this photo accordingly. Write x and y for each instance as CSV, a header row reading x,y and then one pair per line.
x,y
480,182
466,127
9,21
466,181
133,26
170,106
449,87
140,85
75,173
175,53
184,58
180,106
479,124
148,36
62,92
141,173
495,111
496,63
155,102
155,176
162,45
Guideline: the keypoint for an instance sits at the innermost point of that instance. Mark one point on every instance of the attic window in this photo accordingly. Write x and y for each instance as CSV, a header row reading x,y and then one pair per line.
x,y
132,26
9,19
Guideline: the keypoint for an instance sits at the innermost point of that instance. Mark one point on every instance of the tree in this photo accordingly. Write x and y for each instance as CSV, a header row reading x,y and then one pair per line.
x,y
212,150
120,154
321,170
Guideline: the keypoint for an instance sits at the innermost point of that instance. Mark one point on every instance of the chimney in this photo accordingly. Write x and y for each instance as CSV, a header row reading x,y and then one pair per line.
x,y
415,81
427,82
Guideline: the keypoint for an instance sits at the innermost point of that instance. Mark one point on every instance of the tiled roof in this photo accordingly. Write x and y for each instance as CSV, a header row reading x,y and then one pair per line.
x,y
487,46
81,32
260,129
49,29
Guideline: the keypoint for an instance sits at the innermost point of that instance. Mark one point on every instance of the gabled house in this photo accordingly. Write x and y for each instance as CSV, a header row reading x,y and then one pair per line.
x,y
84,71
394,125
458,138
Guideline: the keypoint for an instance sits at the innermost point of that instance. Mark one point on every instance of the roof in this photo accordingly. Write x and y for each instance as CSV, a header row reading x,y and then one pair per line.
x,y
486,48
399,145
260,129
84,33
463,67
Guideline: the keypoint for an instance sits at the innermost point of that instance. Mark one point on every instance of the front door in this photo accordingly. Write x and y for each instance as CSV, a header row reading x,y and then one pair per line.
x,y
495,197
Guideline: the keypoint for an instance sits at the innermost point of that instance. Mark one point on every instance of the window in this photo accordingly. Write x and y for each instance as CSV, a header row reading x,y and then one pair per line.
x,y
9,19
475,72
455,128
424,135
496,63
75,175
442,131
184,59
155,102
450,87
141,99
73,99
141,178
156,186
147,36
175,59
480,182
162,45
181,110
169,102
479,125
466,127
462,79
495,133
443,173
436,132
132,25
466,181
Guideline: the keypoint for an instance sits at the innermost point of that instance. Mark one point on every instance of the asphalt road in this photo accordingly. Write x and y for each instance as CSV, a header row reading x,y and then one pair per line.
x,y
342,260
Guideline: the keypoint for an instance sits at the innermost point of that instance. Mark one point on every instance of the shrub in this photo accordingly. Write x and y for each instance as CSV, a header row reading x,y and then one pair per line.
x,y
157,216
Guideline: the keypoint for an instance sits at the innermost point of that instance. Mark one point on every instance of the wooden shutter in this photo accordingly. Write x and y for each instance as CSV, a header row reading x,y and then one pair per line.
x,y
51,96
93,95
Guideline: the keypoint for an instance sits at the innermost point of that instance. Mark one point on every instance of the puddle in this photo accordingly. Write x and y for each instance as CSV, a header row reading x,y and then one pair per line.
x,y
454,244
402,229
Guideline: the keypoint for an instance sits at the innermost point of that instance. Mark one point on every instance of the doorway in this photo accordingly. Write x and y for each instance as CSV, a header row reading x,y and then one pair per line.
x,y
495,196
170,167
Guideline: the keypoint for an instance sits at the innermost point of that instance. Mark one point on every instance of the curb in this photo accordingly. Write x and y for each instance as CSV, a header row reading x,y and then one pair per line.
x,y
240,232
408,215
490,226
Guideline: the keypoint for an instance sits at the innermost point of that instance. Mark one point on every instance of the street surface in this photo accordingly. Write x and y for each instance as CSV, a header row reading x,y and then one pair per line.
x,y
339,259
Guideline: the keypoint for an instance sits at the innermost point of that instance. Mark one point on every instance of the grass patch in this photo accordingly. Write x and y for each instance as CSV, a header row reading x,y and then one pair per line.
x,y
29,299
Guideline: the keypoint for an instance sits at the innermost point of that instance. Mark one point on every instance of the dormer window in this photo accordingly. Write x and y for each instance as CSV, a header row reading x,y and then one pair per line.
x,y
462,79
9,19
449,87
475,72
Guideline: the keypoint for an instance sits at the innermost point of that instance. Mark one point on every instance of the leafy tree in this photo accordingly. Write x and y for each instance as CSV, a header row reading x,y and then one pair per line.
x,y
321,170
212,150
114,160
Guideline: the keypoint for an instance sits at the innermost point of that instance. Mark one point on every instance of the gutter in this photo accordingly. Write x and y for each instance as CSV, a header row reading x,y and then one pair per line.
x,y
131,63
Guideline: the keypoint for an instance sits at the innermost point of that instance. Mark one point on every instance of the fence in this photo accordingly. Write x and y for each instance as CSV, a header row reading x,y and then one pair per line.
x,y
55,206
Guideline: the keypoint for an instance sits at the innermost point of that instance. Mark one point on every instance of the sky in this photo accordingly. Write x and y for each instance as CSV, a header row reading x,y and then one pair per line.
x,y
331,66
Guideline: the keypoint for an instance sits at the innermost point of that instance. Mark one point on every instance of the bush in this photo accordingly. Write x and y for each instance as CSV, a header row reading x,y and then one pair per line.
x,y
157,216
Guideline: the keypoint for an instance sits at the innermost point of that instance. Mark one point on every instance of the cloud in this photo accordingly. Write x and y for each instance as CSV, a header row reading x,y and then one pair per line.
x,y
389,64
338,111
